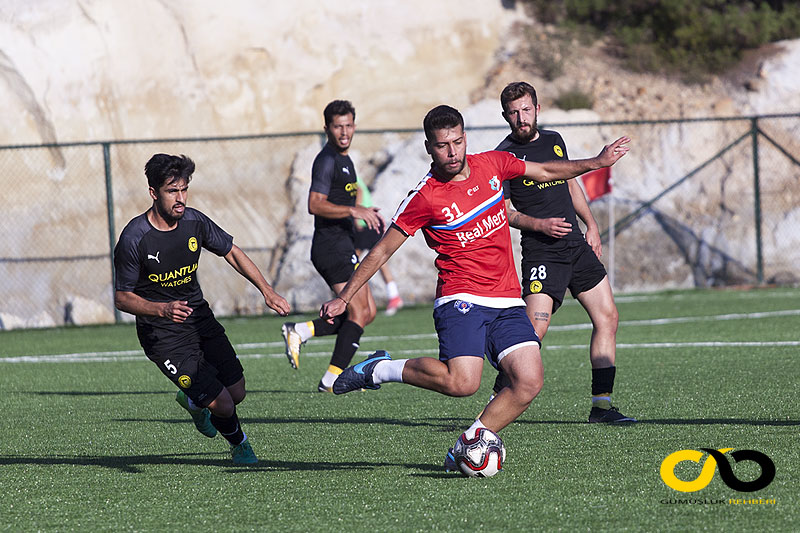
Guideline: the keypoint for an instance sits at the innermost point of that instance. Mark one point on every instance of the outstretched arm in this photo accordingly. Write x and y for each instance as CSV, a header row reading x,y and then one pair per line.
x,y
245,266
564,170
377,256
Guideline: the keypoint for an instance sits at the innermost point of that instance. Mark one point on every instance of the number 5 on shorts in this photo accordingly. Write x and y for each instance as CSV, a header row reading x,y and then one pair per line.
x,y
170,367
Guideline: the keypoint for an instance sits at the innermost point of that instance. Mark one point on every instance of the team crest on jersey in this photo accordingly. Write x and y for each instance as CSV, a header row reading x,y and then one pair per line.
x,y
559,152
536,286
462,306
185,381
192,244
494,183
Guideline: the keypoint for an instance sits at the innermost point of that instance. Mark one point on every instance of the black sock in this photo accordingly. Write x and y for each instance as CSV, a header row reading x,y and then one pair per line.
x,y
322,327
501,382
229,428
603,380
346,344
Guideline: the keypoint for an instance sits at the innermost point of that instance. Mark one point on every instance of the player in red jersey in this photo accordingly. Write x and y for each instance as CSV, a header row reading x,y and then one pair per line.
x,y
460,208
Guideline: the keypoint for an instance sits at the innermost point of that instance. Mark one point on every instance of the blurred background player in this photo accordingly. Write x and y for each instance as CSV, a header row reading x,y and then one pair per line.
x,y
332,201
365,239
154,263
555,254
478,311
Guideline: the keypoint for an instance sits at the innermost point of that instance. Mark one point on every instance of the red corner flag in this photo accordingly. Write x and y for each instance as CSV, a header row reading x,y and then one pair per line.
x,y
597,183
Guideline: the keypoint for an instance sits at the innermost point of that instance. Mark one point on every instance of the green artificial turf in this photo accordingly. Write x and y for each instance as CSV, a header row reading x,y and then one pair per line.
x,y
96,442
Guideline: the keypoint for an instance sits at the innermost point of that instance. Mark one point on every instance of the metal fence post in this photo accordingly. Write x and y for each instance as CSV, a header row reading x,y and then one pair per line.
x,y
757,201
112,234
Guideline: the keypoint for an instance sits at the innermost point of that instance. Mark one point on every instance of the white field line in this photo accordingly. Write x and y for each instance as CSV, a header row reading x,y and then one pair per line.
x,y
134,355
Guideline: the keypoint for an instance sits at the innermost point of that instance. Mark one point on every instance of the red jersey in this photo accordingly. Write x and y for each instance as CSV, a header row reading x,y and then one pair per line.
x,y
465,223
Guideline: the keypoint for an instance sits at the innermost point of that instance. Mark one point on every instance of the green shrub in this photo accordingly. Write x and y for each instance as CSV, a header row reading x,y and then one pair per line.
x,y
689,37
574,99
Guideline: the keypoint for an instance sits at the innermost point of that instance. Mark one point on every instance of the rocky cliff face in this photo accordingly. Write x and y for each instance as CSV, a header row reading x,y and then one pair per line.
x,y
77,71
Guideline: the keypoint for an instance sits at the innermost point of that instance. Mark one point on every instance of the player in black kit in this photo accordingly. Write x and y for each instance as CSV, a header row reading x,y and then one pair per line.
x,y
555,254
332,201
155,262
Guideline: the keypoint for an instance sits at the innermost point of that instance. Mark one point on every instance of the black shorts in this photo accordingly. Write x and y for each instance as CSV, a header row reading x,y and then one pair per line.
x,y
366,238
334,259
575,267
201,362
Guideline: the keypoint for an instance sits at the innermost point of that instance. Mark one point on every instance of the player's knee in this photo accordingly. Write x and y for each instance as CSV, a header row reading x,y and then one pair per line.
x,y
238,396
527,387
609,319
362,315
455,386
223,406
372,311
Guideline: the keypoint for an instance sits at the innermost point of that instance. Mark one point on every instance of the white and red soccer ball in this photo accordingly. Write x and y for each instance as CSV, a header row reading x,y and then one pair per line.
x,y
479,456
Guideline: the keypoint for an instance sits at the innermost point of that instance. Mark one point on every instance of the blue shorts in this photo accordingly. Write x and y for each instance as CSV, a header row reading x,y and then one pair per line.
x,y
469,329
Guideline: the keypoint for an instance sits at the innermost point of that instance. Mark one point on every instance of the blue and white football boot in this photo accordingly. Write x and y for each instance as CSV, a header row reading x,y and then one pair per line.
x,y
450,464
360,376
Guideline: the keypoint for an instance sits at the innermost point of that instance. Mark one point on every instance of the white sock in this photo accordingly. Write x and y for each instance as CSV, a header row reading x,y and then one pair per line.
x,y
330,377
391,290
388,371
474,427
304,330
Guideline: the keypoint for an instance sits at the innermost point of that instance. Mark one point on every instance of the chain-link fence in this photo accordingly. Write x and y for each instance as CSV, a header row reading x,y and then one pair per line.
x,y
700,202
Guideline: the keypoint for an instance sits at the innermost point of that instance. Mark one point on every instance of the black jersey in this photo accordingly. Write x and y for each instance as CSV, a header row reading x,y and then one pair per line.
x,y
161,266
334,175
541,200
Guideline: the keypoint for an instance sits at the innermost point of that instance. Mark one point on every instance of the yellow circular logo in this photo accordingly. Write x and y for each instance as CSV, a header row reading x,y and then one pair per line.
x,y
559,152
185,381
668,465
536,286
192,244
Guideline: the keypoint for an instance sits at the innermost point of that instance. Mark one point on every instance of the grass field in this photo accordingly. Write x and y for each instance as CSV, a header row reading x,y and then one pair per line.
x,y
92,439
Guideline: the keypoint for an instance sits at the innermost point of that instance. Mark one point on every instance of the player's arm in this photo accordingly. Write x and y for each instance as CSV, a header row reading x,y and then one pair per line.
x,y
245,266
556,227
564,170
375,259
582,210
319,205
129,302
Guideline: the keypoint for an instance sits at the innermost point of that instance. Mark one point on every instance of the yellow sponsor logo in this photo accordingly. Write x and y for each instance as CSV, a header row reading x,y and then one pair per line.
x,y
546,184
559,152
536,286
192,244
185,381
179,276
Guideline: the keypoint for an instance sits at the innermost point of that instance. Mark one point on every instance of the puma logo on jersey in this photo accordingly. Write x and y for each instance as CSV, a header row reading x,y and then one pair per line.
x,y
155,257
346,170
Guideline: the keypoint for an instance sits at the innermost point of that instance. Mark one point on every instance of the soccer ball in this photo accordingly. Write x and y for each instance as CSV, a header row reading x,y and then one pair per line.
x,y
480,456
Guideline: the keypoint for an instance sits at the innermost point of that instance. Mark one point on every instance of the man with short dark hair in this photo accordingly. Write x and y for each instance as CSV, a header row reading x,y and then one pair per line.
x,y
332,201
155,263
478,311
555,254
